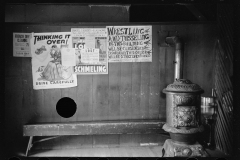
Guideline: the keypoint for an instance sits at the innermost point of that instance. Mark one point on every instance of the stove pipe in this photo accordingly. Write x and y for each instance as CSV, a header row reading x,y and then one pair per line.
x,y
178,63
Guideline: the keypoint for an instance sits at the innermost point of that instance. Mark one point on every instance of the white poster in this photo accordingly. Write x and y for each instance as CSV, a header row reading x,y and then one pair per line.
x,y
47,69
68,57
91,50
129,43
21,44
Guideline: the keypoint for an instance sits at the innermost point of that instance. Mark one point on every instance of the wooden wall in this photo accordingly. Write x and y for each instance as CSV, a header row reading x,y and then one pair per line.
x,y
130,90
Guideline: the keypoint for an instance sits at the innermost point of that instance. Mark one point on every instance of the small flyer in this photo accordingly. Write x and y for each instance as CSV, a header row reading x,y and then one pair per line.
x,y
47,65
21,44
91,50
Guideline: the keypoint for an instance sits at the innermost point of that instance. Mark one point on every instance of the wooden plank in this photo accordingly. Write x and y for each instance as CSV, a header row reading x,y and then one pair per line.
x,y
100,94
14,13
12,65
157,151
38,95
136,89
128,140
28,109
51,96
139,152
83,13
100,140
166,67
154,78
126,91
149,140
100,97
124,151
113,140
72,91
84,98
69,142
38,13
169,65
48,107
100,13
13,112
84,95
203,58
114,91
150,153
93,128
114,152
145,88
86,141
100,152
162,84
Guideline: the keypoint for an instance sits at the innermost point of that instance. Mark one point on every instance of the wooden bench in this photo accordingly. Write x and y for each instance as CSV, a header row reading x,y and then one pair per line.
x,y
91,128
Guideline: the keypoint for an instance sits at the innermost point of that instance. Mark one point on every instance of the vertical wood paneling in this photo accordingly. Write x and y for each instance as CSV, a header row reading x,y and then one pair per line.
x,y
129,91
189,53
38,95
12,65
79,13
203,67
72,91
154,77
162,96
126,99
29,110
38,13
100,97
51,96
84,98
145,87
114,73
100,13
84,95
114,91
136,89
169,65
129,140
13,102
126,91
100,140
15,13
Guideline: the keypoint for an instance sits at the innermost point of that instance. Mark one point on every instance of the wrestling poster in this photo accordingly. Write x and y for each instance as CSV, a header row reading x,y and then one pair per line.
x,y
129,43
47,69
21,44
91,50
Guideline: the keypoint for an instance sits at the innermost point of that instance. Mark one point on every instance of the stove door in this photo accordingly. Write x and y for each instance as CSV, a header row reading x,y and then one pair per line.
x,y
185,116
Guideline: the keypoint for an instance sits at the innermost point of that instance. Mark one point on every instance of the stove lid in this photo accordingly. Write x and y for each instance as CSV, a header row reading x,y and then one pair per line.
x,y
183,85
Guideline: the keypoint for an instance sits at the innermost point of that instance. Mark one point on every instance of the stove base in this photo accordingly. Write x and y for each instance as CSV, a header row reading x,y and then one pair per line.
x,y
173,149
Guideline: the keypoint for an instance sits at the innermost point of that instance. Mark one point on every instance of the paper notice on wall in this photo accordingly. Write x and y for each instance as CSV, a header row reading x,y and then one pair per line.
x,y
91,50
90,55
90,41
129,43
21,45
68,57
47,68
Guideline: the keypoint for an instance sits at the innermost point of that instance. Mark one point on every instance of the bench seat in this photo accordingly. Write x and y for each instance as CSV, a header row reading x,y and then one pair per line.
x,y
92,128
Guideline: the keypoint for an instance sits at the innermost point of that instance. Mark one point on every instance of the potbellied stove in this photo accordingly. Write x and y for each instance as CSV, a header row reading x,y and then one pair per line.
x,y
183,120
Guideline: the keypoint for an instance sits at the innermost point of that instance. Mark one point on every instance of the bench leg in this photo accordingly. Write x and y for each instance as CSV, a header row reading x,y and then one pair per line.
x,y
29,145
